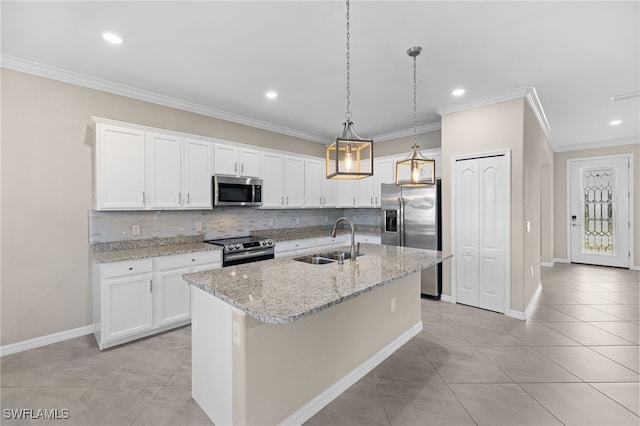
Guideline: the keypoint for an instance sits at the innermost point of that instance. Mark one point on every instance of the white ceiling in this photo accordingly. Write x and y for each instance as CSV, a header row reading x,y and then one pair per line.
x,y
219,58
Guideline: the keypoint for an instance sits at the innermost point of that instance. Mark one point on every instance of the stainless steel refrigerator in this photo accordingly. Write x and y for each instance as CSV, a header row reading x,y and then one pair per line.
x,y
411,217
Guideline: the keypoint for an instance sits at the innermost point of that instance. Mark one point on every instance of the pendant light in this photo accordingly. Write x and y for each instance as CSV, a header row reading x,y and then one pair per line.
x,y
415,170
350,156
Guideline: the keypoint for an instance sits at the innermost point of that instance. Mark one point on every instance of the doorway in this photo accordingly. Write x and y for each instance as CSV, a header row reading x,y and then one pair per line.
x,y
599,211
482,230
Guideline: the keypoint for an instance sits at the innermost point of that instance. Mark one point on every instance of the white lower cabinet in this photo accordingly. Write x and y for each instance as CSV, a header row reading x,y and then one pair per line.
x,y
134,299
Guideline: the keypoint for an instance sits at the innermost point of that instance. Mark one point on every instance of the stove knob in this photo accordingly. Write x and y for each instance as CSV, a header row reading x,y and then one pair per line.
x,y
229,248
238,246
270,242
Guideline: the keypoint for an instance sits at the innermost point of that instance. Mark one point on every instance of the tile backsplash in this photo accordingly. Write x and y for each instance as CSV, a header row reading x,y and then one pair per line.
x,y
107,226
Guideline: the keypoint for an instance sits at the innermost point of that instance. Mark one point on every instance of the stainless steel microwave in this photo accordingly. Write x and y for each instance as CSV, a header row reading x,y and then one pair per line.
x,y
235,191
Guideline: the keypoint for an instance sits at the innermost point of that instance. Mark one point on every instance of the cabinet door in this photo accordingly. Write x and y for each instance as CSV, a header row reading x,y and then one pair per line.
x,y
197,175
164,172
127,306
226,160
364,190
172,297
294,182
273,180
329,190
120,169
384,173
346,193
313,175
249,163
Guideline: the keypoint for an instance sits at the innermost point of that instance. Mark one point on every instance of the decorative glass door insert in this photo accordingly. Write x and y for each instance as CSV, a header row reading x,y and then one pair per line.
x,y
598,231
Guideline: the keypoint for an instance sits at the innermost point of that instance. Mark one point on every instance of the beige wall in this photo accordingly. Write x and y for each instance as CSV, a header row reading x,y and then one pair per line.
x,y
560,195
47,191
538,204
427,140
496,127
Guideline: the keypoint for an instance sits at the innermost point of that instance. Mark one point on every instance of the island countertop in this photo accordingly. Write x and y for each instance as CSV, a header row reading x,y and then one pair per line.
x,y
282,290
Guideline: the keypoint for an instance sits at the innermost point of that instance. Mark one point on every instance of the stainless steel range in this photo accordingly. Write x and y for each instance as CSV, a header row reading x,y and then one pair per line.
x,y
244,249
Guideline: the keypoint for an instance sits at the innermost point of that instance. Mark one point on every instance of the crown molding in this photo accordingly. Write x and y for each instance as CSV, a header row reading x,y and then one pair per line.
x,y
600,144
407,132
529,93
30,67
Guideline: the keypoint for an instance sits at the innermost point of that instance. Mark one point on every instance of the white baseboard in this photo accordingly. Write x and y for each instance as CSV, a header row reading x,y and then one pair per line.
x,y
516,314
308,410
45,340
533,301
560,260
635,268
547,264
446,298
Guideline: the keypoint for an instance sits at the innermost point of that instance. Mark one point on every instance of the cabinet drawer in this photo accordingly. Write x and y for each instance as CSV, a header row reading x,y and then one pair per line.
x,y
187,259
132,267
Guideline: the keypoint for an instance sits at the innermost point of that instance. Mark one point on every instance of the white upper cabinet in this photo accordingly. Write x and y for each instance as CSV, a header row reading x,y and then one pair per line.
x,y
120,168
318,190
197,172
138,170
346,193
294,181
282,181
272,180
164,171
178,173
234,161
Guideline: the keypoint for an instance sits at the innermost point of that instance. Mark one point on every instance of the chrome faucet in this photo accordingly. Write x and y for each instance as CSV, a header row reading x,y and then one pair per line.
x,y
354,253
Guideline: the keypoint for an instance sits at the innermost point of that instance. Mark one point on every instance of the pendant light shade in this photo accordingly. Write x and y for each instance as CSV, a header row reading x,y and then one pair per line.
x,y
350,156
415,170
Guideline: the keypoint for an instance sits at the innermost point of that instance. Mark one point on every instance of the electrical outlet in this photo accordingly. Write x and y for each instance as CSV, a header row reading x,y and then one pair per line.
x,y
393,304
270,222
326,219
235,331
135,229
297,221
198,226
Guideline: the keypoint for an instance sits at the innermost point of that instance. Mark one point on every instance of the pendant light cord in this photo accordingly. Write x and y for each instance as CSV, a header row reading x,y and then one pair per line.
x,y
347,115
415,114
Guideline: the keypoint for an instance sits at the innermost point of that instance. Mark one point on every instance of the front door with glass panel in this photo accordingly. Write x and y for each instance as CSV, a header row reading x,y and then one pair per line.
x,y
599,212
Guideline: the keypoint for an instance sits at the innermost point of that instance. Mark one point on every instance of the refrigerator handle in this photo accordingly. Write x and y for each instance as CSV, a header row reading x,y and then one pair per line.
x,y
401,221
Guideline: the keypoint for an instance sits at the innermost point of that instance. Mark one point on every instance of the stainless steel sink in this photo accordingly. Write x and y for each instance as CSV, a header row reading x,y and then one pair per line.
x,y
324,258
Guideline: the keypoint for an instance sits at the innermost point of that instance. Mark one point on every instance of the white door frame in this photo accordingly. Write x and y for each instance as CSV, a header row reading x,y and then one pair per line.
x,y
507,257
629,157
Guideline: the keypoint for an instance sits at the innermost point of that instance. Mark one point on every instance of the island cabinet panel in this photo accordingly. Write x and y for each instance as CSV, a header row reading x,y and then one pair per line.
x,y
252,373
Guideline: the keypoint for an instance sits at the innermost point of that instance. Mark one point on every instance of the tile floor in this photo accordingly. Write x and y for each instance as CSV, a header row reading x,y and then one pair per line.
x,y
575,362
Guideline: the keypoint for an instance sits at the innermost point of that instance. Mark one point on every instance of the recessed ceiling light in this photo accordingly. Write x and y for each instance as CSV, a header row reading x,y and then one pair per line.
x,y
458,92
615,122
112,38
271,94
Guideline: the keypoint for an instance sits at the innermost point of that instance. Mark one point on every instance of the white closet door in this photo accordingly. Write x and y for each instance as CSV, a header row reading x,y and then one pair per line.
x,y
481,230
466,255
492,233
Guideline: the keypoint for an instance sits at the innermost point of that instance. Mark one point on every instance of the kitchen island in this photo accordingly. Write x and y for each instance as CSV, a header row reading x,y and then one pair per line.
x,y
275,341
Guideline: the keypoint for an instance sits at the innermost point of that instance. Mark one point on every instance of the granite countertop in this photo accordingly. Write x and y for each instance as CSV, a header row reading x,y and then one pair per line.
x,y
118,251
282,290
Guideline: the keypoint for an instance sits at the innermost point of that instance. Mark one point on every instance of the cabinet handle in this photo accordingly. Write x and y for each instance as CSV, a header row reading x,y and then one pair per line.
x,y
372,200
188,198
235,167
354,201
282,200
150,286
287,200
131,268
324,200
179,197
144,198
242,169
376,201
320,200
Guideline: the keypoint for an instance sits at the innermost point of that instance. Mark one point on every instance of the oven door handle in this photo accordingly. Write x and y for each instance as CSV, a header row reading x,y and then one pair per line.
x,y
254,253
